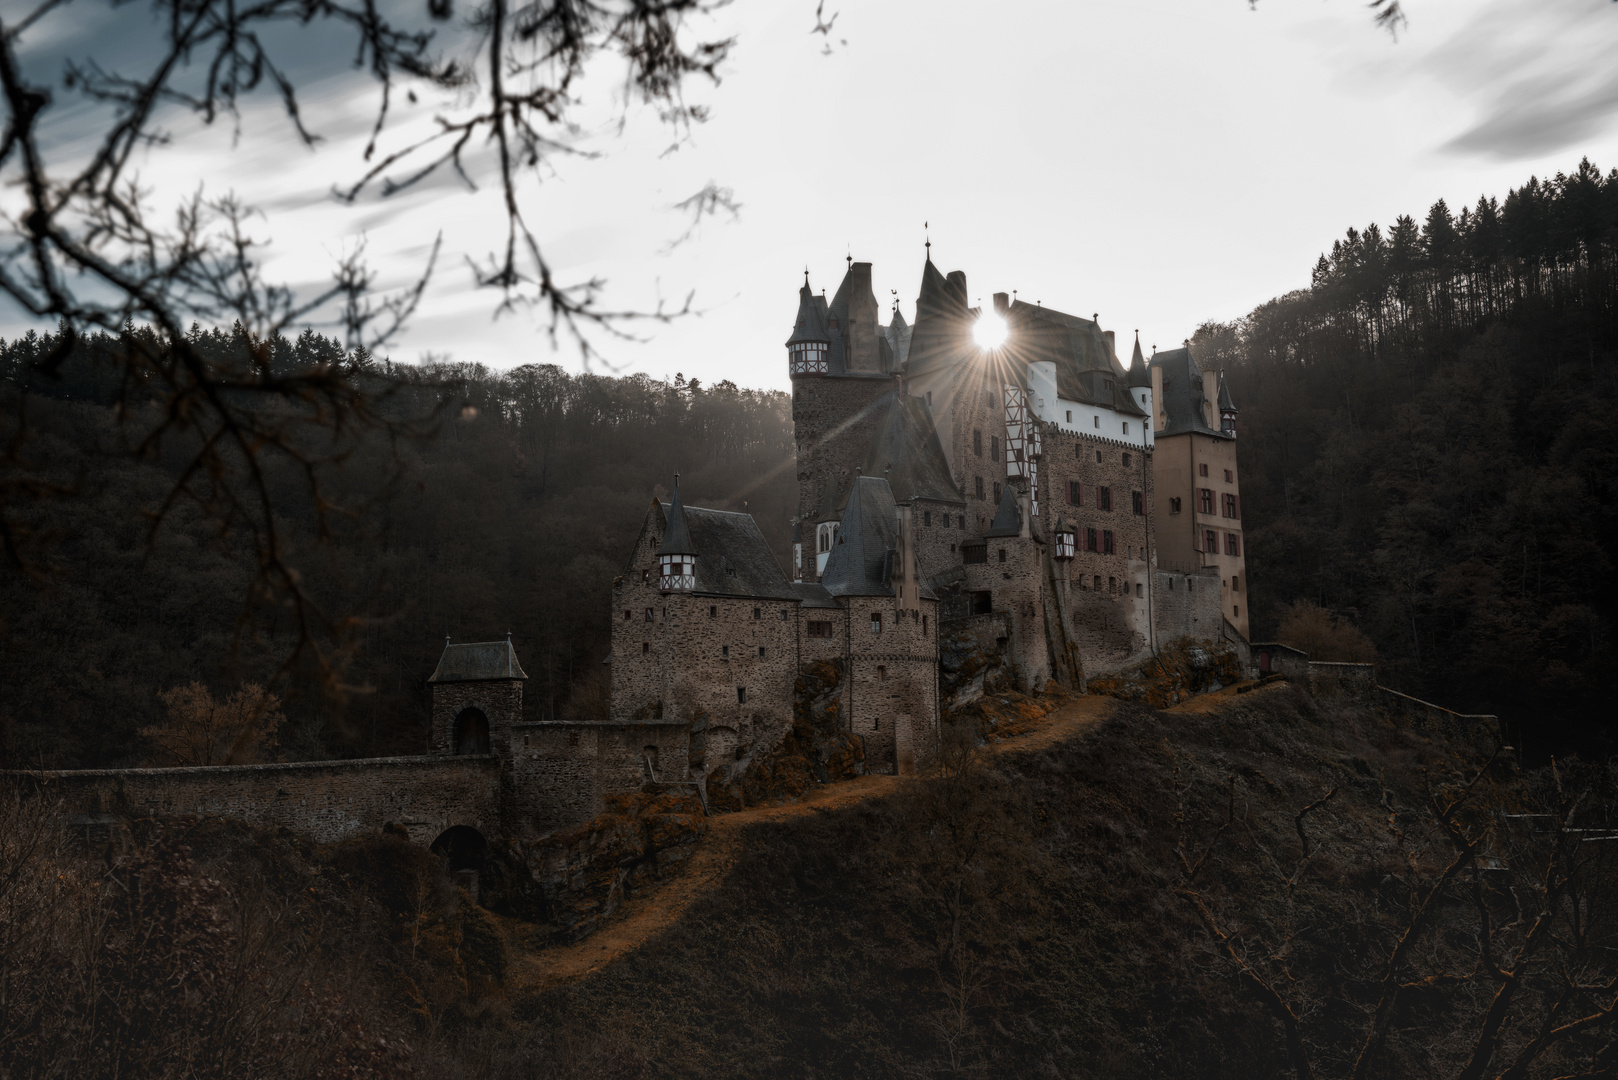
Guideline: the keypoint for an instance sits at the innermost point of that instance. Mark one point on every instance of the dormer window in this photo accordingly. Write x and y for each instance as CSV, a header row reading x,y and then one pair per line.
x,y
809,358
676,573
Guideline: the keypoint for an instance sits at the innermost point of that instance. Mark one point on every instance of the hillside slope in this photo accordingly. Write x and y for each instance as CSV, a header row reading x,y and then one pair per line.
x,y
1028,913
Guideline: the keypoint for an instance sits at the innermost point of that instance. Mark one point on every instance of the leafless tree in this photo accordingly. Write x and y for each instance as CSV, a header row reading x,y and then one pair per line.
x,y
81,242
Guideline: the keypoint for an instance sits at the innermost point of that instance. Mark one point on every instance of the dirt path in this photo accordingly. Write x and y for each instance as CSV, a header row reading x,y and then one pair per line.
x,y
536,966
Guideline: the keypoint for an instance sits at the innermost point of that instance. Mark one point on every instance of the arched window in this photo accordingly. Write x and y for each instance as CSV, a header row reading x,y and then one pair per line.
x,y
471,732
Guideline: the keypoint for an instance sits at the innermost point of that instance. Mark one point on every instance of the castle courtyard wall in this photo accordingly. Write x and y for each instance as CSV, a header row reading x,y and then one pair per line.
x,y
562,771
325,800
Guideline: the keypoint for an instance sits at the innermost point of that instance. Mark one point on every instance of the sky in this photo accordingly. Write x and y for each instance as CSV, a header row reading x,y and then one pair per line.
x,y
1159,163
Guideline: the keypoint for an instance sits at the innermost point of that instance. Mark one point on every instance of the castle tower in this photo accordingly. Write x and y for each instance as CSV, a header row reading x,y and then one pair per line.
x,y
807,347
477,696
1227,408
677,556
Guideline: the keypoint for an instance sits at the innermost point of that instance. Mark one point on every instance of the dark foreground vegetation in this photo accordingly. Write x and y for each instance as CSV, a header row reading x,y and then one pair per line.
x,y
1429,448
1166,896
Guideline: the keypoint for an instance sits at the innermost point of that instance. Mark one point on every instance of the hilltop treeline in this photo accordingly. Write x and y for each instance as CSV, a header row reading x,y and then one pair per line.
x,y
1429,447
498,502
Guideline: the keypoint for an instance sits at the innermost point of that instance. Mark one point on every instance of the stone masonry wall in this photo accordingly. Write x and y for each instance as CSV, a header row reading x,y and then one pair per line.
x,y
832,421
1015,580
325,800
562,772
499,699
1187,605
939,530
893,682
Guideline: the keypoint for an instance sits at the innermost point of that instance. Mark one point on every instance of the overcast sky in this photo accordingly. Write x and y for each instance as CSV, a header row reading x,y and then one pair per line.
x,y
1159,162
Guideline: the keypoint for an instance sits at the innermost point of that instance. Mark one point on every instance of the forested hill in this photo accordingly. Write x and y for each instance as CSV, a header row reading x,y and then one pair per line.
x,y
513,513
1429,447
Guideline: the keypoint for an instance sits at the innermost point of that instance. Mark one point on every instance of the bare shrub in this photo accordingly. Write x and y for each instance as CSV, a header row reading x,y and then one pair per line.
x,y
202,731
1324,636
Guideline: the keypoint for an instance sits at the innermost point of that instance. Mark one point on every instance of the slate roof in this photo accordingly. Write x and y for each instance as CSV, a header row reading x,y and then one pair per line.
x,y
477,661
733,558
1008,518
905,449
813,595
1225,403
1183,397
1139,374
861,561
943,331
1082,353
676,534
811,324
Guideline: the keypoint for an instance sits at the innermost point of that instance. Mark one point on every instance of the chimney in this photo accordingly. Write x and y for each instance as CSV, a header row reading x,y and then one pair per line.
x,y
957,284
1002,303
864,318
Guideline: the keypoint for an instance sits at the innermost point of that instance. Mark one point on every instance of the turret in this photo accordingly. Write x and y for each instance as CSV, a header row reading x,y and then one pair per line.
x,y
676,556
1227,408
807,347
1067,540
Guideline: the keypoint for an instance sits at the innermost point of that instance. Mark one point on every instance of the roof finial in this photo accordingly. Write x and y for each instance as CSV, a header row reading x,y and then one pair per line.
x,y
1095,317
508,637
676,480
446,641
928,236
850,256
806,275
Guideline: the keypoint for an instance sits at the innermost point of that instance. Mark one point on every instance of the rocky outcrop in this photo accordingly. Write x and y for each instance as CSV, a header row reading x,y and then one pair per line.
x,y
816,751
581,875
968,669
1181,669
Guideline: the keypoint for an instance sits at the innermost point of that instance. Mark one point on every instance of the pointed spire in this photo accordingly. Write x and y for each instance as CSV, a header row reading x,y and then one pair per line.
x,y
1226,405
809,326
1139,376
1008,518
677,536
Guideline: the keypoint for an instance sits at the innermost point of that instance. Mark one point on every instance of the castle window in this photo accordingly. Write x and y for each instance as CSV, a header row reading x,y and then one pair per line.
x,y
1112,585
924,626
1233,505
1070,416
1106,542
994,447
1138,498
1126,427
876,724
650,613
1235,583
977,442
1104,498
724,651
1098,457
876,622
758,613
761,652
1002,554
783,613
713,611
977,482
741,695
1140,590
982,603
1237,610
645,647
1210,542
1202,470
1233,544
1171,584
627,613
1126,461
819,628
1097,420
1092,542
1229,477
1205,496
645,575
926,519
952,549
471,732
881,673
1075,493
1098,583
974,553
997,493
1174,505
